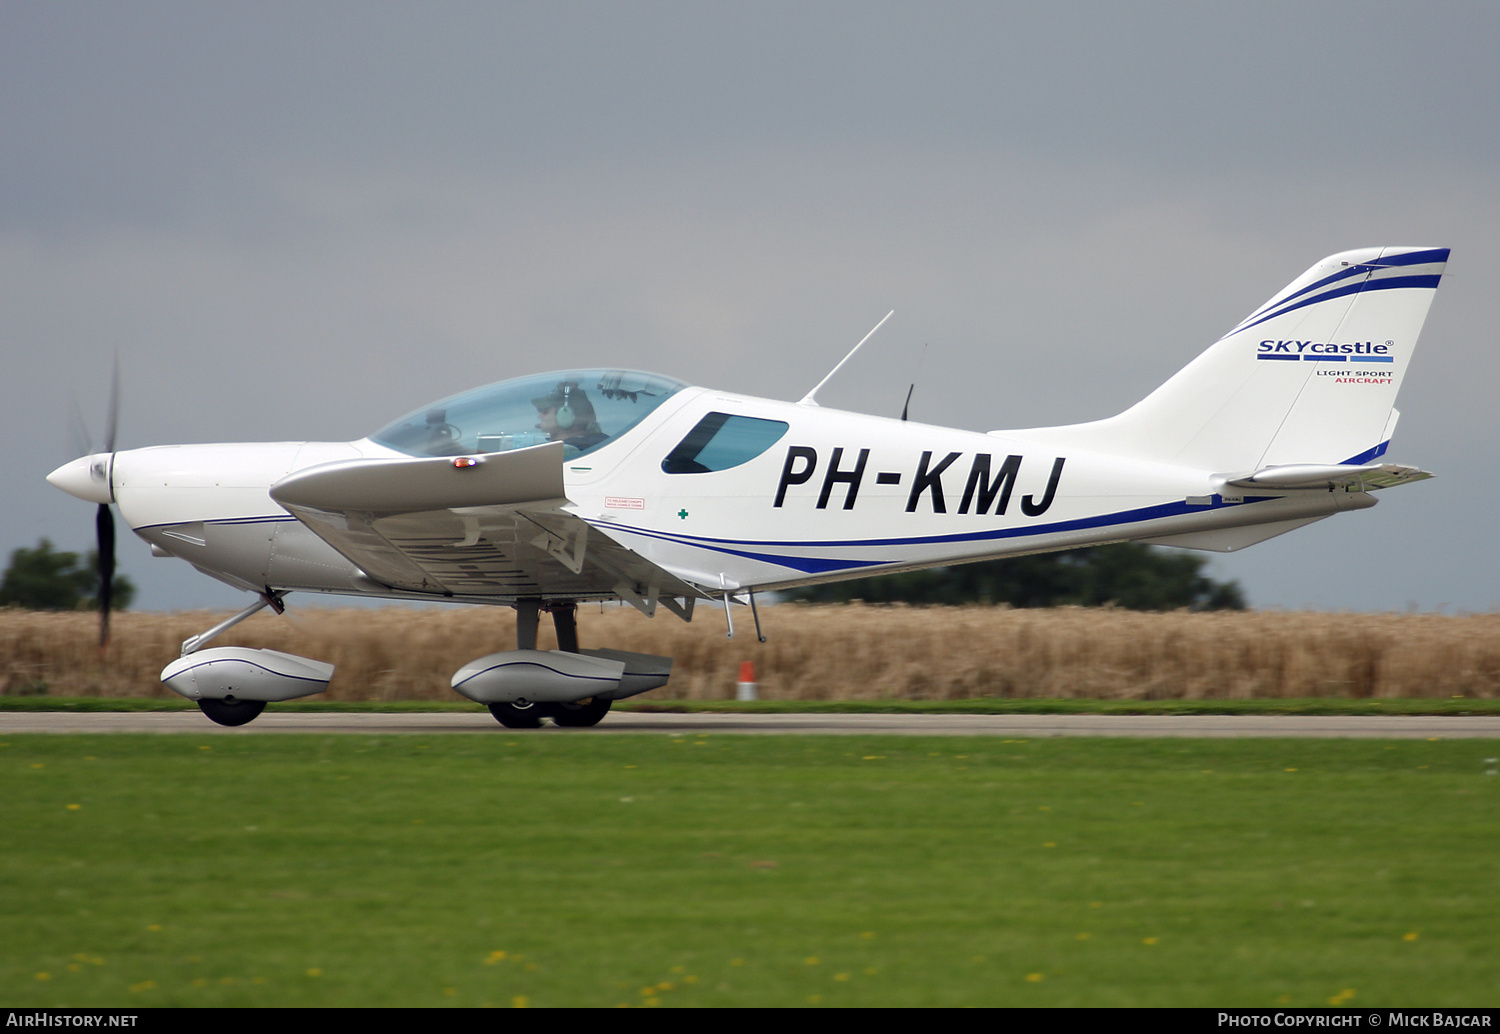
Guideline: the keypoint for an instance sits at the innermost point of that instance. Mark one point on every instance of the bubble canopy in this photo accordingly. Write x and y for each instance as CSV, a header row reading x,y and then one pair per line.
x,y
583,409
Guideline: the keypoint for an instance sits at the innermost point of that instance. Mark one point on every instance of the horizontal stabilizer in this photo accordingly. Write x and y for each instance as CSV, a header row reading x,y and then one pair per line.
x,y
414,485
1363,478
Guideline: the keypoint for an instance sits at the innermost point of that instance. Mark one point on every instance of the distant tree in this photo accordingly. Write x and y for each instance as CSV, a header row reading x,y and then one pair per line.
x,y
1125,574
46,579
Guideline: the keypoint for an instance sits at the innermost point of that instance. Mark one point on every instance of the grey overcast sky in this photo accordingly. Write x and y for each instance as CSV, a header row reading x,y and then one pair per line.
x,y
299,220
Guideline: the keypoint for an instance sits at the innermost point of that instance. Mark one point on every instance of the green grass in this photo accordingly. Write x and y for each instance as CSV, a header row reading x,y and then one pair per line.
x,y
974,705
746,870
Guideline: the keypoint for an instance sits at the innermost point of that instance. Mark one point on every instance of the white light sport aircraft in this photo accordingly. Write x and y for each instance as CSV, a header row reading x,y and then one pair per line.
x,y
542,492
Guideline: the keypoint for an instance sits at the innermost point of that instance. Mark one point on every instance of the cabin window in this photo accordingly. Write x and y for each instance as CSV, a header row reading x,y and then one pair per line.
x,y
720,441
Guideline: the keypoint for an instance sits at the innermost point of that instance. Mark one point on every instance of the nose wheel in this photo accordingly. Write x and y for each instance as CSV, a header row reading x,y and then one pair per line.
x,y
232,712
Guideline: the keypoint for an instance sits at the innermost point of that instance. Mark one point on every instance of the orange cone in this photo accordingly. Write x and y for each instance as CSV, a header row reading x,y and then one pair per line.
x,y
747,689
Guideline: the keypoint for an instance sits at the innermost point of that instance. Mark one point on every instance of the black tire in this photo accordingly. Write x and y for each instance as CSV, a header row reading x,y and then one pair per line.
x,y
520,716
581,715
232,712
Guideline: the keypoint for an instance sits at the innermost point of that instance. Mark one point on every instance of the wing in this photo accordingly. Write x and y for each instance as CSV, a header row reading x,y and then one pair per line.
x,y
490,526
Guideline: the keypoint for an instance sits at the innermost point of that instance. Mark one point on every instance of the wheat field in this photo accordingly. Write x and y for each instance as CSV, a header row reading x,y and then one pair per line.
x,y
832,652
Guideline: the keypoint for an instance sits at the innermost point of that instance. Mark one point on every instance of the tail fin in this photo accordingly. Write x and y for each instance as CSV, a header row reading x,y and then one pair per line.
x,y
1309,377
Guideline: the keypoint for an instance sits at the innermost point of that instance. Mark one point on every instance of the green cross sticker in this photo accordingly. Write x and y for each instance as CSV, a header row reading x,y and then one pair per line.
x,y
682,514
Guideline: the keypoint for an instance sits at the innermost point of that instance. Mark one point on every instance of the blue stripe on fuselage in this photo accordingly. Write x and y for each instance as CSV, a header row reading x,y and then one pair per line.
x,y
756,550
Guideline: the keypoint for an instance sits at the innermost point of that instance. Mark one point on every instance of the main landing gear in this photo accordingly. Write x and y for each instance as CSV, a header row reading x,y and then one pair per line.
x,y
572,686
581,714
522,713
570,715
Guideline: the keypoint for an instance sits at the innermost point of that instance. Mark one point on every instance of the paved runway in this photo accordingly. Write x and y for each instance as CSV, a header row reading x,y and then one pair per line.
x,y
829,724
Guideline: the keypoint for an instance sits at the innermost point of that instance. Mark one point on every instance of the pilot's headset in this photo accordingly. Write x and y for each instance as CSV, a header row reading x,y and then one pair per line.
x,y
565,415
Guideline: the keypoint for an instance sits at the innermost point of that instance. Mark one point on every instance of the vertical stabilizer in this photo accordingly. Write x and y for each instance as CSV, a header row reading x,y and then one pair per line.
x,y
1309,377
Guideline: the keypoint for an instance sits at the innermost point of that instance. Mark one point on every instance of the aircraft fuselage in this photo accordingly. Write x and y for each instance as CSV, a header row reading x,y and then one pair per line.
x,y
838,495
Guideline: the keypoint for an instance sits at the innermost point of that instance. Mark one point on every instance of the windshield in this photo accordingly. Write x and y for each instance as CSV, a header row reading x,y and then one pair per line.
x,y
583,409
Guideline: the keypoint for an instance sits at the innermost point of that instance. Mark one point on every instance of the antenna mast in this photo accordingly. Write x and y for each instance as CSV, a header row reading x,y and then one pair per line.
x,y
810,398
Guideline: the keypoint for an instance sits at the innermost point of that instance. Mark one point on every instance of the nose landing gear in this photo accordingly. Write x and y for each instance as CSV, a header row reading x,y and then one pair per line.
x,y
232,684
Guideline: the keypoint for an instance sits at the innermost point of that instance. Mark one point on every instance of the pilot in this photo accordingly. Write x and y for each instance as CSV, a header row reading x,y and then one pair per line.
x,y
566,415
